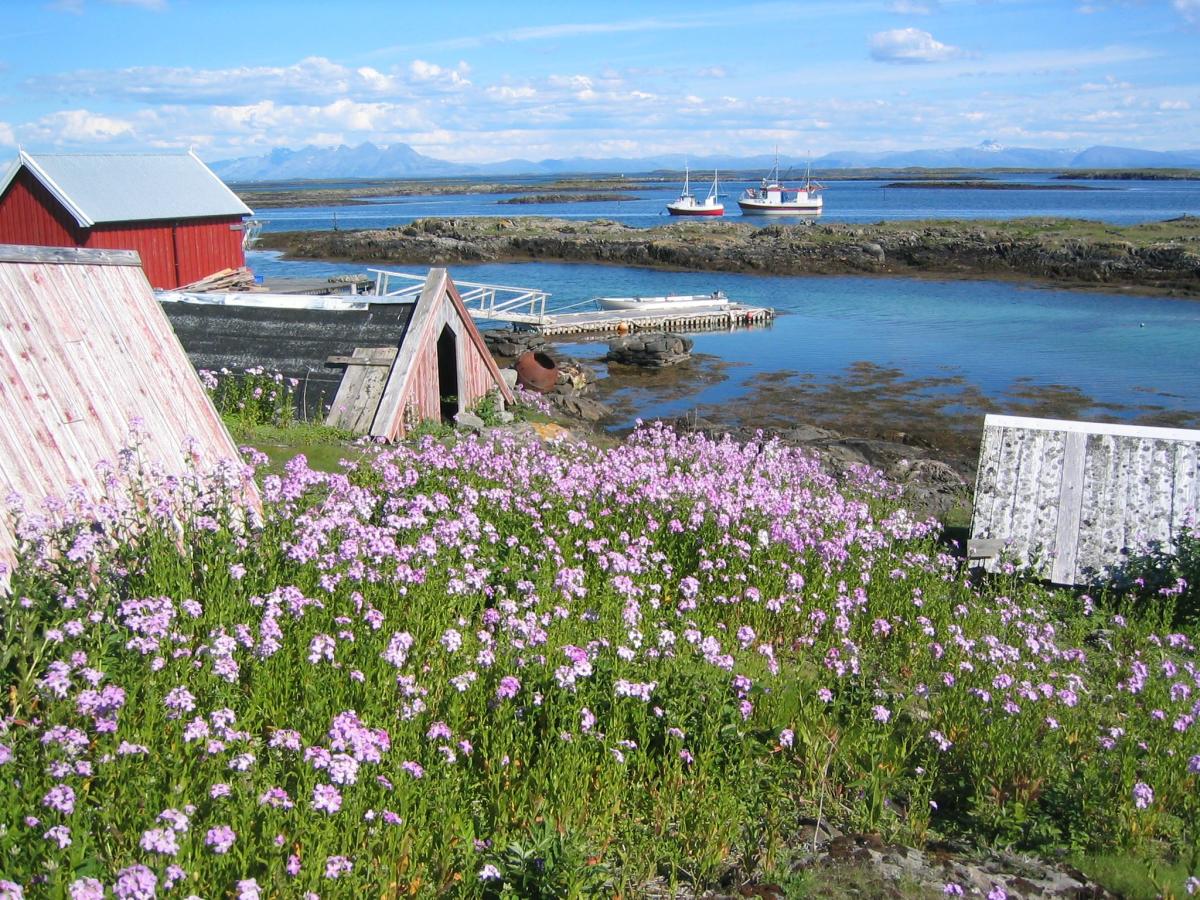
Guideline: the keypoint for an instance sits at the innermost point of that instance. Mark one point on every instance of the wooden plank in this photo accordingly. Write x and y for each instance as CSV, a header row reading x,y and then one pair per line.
x,y
79,256
1066,425
1184,488
361,389
1069,509
357,361
982,517
985,548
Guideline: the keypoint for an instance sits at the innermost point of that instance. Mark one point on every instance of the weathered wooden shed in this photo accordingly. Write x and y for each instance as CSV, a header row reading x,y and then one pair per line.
x,y
171,208
84,350
376,364
443,366
1073,500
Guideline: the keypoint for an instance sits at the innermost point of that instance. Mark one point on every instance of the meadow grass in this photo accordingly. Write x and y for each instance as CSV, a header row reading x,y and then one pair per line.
x,y
493,667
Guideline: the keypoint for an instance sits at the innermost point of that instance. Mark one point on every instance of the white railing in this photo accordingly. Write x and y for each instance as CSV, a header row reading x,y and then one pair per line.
x,y
483,301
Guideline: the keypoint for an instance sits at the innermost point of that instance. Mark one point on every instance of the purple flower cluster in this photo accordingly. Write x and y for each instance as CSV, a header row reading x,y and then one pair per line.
x,y
441,626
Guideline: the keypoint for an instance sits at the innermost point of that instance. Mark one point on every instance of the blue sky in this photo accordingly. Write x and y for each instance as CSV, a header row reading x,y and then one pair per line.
x,y
486,81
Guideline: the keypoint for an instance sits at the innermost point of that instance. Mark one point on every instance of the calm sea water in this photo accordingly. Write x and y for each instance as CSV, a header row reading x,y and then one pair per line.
x,y
1122,351
1118,202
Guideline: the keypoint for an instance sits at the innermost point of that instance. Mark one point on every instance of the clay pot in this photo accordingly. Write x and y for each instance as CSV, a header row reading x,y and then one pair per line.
x,y
536,371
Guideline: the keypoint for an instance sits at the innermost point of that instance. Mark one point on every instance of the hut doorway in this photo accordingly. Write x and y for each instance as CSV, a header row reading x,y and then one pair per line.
x,y
447,360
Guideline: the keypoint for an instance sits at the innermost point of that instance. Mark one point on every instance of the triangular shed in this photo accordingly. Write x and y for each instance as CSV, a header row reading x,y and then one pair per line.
x,y
443,365
85,350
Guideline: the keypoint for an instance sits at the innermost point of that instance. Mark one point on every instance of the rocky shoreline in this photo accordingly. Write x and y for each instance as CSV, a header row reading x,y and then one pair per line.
x,y
1157,257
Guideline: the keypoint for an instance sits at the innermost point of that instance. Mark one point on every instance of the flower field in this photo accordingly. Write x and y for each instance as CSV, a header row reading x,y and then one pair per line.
x,y
507,668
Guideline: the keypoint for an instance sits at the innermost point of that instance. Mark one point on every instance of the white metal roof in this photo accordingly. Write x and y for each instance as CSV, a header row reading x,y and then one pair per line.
x,y
129,187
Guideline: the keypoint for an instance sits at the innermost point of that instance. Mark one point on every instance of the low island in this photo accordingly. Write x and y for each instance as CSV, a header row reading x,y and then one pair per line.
x,y
1154,257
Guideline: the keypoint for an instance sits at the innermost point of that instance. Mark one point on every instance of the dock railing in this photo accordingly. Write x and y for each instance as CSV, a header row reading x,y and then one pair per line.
x,y
483,301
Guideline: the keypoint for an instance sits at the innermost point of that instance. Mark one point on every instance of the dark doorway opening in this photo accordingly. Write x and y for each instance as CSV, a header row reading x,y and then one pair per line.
x,y
447,358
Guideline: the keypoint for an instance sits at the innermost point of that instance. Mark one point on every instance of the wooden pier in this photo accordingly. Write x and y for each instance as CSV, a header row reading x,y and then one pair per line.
x,y
525,310
623,321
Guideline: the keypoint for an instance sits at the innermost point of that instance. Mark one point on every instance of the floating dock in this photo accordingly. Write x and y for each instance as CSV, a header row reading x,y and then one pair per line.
x,y
525,310
727,316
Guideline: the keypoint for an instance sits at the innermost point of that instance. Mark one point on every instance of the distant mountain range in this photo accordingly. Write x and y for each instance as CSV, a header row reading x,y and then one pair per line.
x,y
402,161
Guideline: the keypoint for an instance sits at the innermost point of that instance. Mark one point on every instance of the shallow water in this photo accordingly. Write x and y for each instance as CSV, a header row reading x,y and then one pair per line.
x,y
971,346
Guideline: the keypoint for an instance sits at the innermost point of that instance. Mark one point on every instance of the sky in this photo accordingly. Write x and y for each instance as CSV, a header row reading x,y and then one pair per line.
x,y
489,80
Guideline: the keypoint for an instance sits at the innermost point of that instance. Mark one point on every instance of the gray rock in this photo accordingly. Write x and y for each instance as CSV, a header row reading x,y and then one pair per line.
x,y
510,344
469,421
874,251
653,350
510,377
580,407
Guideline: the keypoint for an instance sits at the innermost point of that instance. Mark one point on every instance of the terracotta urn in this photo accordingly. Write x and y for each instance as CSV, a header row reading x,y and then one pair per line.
x,y
537,371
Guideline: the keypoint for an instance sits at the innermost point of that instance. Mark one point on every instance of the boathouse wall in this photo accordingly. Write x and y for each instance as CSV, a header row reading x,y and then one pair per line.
x,y
174,251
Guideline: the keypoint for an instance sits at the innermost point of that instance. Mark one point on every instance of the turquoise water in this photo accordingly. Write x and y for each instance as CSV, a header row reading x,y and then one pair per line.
x,y
1131,355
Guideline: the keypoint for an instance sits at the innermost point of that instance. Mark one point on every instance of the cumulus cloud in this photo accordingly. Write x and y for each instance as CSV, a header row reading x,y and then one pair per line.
x,y
79,126
1174,105
581,86
7,138
430,72
910,45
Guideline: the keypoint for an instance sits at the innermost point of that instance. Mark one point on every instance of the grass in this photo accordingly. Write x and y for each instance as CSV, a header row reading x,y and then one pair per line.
x,y
322,446
1133,877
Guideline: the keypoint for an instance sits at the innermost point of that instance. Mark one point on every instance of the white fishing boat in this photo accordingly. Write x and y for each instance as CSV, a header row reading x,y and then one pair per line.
x,y
772,198
688,205
715,300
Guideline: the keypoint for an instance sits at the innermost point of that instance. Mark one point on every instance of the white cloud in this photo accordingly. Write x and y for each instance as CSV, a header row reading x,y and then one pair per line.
x,y
430,72
79,126
506,92
1189,9
376,81
76,6
910,45
1174,105
912,8
1109,84
309,79
7,138
582,87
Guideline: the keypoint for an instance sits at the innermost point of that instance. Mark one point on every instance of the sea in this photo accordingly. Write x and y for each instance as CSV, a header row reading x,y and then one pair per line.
x,y
960,347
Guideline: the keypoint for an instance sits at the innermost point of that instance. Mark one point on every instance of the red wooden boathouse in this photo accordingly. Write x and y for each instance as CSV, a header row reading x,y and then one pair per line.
x,y
171,208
